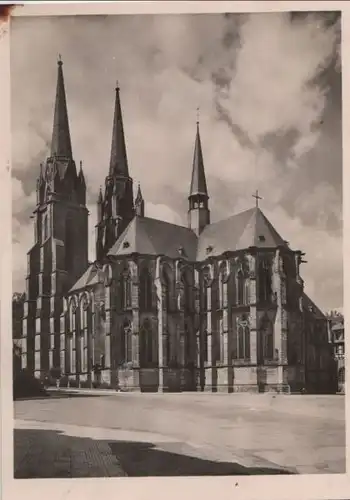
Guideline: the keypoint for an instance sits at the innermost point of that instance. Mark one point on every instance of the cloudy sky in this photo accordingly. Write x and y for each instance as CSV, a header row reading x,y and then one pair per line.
x,y
269,91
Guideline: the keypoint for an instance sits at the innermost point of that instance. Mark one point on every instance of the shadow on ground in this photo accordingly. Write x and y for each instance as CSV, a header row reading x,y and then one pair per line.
x,y
49,454
60,394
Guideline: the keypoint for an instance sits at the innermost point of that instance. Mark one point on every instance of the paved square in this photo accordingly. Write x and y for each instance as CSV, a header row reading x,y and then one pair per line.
x,y
191,434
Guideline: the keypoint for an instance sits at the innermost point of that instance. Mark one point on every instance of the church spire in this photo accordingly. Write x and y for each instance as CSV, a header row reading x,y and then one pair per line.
x,y
198,211
61,143
118,162
139,203
198,183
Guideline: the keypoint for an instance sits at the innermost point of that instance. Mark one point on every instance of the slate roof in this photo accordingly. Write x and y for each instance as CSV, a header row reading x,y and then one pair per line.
x,y
155,237
148,236
240,231
89,278
308,303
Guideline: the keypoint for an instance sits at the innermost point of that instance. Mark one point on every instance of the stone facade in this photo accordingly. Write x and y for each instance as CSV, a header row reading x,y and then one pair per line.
x,y
163,308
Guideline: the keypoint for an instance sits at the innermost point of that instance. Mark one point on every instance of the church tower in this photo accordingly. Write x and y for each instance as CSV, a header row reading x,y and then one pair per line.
x,y
116,206
59,255
198,213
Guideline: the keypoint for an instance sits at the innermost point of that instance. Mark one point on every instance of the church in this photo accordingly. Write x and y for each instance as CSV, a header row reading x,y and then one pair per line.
x,y
214,306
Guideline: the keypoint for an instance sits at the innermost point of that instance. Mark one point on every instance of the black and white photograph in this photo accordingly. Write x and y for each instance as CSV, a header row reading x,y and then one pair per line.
x,y
177,245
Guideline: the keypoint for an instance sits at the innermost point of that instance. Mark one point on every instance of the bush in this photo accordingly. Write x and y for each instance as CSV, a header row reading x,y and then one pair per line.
x,y
25,385
85,384
64,381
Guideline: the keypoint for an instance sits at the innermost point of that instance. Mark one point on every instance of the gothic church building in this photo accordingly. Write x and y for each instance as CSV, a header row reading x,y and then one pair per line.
x,y
208,307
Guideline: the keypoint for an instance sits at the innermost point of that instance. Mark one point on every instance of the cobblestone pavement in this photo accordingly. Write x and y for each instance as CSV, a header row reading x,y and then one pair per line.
x,y
194,434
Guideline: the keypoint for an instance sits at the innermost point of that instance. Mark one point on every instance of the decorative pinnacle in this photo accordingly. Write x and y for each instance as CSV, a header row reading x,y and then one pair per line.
x,y
197,114
59,61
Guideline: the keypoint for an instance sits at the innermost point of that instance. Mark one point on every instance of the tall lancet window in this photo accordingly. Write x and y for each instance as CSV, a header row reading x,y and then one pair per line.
x,y
223,286
69,244
126,290
266,340
265,279
146,288
147,344
45,232
243,338
126,341
242,288
205,289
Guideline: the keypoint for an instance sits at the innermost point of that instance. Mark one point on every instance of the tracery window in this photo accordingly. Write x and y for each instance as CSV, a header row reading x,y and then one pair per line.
x,y
126,290
205,289
266,336
265,280
223,286
69,244
242,288
126,341
147,344
145,290
242,350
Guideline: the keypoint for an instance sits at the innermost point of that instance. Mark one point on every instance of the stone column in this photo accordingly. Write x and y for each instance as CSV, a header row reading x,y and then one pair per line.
x,y
209,364
160,314
135,337
280,327
253,311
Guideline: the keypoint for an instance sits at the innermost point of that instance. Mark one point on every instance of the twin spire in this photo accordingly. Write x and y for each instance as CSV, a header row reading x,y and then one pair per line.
x,y
198,182
61,144
118,166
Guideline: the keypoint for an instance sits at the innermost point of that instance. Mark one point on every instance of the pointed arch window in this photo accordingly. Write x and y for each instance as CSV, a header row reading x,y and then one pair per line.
x,y
242,288
265,279
205,289
223,286
146,287
241,347
45,227
266,340
69,244
147,344
126,290
126,341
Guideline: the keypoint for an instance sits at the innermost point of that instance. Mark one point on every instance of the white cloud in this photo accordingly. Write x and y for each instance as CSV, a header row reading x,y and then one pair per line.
x,y
166,67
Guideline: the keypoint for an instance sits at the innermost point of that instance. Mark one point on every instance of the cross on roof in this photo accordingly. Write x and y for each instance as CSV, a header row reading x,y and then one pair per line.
x,y
198,115
257,198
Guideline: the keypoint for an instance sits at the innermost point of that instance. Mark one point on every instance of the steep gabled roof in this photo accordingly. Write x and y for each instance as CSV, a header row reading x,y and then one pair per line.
x,y
89,278
154,237
310,306
240,231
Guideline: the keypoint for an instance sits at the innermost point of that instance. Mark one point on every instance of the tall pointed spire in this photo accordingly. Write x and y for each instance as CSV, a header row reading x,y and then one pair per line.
x,y
198,211
118,162
61,143
198,182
